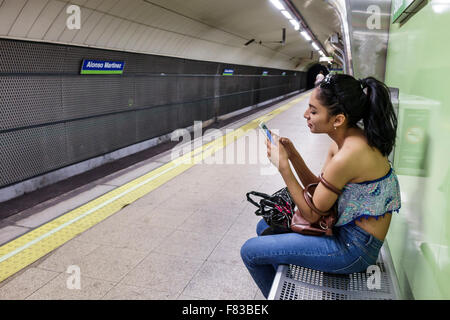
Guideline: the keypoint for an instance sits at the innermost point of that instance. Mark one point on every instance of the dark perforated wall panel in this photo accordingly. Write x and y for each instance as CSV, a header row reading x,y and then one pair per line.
x,y
27,152
28,100
52,117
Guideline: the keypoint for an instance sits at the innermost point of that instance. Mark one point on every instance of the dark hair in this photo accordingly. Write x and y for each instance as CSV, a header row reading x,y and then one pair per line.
x,y
343,94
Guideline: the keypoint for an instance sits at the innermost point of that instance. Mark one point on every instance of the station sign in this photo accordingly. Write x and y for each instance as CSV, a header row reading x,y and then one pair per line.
x,y
228,72
102,67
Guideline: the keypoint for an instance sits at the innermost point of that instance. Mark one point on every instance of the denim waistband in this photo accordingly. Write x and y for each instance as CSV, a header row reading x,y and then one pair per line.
x,y
352,232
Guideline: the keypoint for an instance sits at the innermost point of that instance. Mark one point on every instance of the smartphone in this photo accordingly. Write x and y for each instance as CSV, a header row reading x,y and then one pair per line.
x,y
266,131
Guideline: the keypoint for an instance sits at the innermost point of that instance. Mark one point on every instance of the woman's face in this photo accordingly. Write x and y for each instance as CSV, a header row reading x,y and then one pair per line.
x,y
317,115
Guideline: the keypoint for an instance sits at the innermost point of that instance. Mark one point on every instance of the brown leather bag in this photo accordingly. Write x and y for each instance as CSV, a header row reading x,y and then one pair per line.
x,y
327,220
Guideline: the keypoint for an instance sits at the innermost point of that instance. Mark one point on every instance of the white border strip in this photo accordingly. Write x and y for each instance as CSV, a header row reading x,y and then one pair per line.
x,y
276,282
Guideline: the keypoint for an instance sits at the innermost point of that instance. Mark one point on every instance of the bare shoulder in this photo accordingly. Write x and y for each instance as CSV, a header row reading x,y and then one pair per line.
x,y
333,149
364,162
352,159
340,169
356,161
353,148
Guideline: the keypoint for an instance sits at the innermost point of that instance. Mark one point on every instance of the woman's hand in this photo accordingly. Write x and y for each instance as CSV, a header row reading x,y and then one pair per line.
x,y
277,153
289,146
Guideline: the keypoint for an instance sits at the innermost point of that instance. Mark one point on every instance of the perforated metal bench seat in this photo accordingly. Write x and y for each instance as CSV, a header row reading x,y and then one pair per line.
x,y
298,283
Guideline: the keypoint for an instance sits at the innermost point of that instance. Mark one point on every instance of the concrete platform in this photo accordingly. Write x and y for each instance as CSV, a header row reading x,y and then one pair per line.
x,y
180,241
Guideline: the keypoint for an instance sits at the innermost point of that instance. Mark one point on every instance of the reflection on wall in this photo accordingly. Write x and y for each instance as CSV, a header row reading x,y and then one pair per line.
x,y
419,236
413,135
369,28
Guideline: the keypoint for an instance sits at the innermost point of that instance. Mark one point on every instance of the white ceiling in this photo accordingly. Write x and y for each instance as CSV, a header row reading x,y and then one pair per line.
x,y
211,30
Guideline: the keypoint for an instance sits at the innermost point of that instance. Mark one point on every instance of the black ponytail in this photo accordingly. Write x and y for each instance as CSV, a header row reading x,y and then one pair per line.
x,y
367,100
380,122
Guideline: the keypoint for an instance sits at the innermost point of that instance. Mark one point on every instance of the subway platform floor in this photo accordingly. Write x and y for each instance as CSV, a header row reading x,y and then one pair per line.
x,y
179,239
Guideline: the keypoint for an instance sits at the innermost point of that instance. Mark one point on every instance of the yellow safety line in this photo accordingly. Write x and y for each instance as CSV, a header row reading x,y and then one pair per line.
x,y
21,252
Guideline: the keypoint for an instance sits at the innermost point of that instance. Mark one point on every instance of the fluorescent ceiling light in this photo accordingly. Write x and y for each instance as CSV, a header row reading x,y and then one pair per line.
x,y
287,15
277,4
295,24
315,46
305,35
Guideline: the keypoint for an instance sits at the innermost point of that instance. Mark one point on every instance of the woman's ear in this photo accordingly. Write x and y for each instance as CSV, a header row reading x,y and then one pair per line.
x,y
339,120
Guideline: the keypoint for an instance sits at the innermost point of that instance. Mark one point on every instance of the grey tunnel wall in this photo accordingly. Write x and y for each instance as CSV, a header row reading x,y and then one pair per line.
x,y
52,117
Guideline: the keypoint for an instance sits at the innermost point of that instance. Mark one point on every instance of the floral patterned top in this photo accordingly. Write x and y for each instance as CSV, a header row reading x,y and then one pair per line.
x,y
369,199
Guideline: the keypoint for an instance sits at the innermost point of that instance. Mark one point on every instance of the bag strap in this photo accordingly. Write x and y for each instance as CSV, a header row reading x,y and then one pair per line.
x,y
262,207
258,194
308,199
308,196
329,186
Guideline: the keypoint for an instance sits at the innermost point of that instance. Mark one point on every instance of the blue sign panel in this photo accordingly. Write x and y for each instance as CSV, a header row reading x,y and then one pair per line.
x,y
228,72
102,67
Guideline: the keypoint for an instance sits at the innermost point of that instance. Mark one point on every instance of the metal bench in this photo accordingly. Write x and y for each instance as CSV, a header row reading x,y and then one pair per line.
x,y
298,283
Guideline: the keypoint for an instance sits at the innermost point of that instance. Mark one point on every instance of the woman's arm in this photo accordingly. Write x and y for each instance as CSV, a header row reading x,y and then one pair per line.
x,y
338,172
296,192
279,157
304,174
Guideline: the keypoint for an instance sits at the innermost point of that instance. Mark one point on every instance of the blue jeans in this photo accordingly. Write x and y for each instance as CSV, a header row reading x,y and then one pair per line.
x,y
350,249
